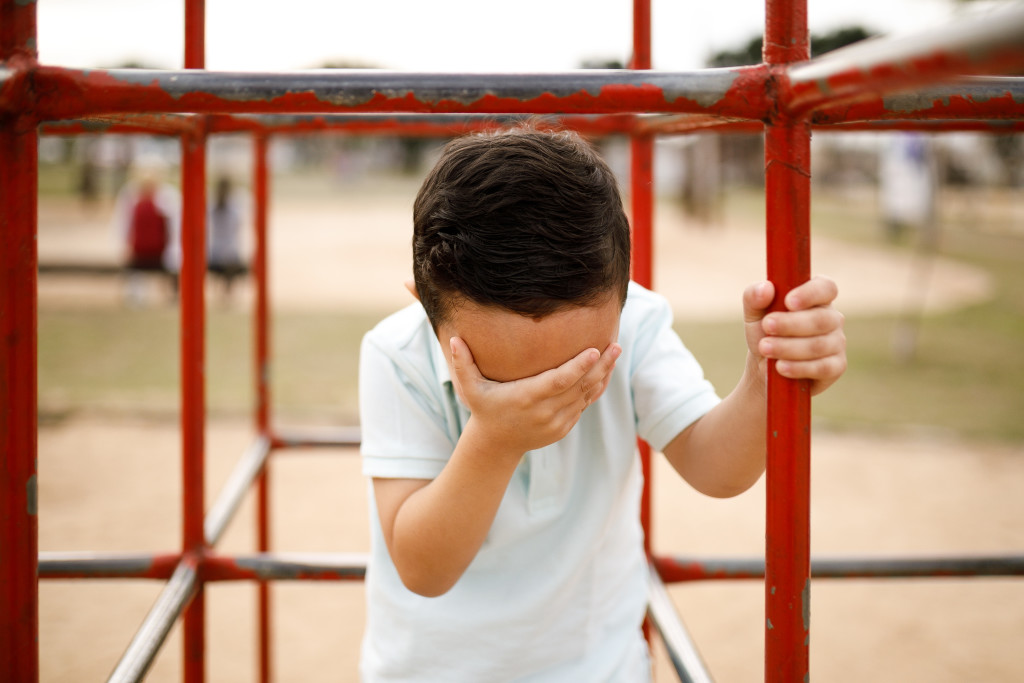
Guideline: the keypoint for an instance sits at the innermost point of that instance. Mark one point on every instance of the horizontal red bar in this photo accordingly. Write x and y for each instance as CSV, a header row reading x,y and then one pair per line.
x,y
62,93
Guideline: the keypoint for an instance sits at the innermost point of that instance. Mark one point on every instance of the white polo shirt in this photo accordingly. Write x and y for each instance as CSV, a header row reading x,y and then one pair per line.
x,y
558,590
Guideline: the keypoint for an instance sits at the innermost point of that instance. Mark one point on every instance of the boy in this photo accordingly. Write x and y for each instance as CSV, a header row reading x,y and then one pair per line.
x,y
506,542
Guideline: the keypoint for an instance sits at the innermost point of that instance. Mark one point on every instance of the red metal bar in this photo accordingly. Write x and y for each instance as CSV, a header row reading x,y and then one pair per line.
x,y
992,98
641,178
19,615
193,350
195,34
641,35
261,333
990,44
19,526
74,93
193,396
787,193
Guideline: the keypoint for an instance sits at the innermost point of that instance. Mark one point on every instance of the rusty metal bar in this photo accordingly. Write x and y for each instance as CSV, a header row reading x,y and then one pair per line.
x,y
988,44
991,98
92,565
237,486
146,643
686,658
287,567
674,569
75,93
19,524
143,124
787,197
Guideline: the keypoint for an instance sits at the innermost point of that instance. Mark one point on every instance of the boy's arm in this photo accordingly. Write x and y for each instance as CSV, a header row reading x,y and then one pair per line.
x,y
434,528
723,453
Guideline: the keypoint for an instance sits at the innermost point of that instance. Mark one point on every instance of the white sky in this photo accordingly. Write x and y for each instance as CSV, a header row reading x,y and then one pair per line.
x,y
433,35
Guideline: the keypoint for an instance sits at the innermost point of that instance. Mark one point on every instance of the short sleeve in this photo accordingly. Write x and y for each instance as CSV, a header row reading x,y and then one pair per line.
x,y
670,391
405,424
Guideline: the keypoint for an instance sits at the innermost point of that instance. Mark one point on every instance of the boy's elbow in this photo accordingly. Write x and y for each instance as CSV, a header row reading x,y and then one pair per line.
x,y
425,584
423,577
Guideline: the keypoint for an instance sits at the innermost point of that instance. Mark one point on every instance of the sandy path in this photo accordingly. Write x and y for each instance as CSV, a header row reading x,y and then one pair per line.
x,y
111,483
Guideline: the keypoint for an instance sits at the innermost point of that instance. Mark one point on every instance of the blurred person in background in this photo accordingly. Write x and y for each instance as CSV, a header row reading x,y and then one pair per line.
x,y
147,222
224,235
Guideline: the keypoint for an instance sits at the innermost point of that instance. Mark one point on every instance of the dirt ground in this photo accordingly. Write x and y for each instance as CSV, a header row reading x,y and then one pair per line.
x,y
111,483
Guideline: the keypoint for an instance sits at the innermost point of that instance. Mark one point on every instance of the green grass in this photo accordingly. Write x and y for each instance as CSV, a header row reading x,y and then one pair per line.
x,y
128,360
967,376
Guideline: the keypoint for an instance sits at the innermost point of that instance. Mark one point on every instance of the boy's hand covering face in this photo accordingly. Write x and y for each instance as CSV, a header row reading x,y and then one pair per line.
x,y
536,411
527,381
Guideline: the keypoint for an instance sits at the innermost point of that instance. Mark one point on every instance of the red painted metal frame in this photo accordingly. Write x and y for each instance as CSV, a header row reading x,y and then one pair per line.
x,y
785,96
788,205
19,616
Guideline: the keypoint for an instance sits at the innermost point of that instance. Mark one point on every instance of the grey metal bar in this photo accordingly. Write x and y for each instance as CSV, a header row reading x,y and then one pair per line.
x,y
238,484
686,659
88,564
305,438
142,650
680,568
288,566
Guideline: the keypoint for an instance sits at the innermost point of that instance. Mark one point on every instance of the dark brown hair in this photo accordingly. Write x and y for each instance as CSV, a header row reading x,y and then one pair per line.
x,y
525,219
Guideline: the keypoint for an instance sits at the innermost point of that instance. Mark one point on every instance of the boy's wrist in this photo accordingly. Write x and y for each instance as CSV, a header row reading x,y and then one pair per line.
x,y
493,445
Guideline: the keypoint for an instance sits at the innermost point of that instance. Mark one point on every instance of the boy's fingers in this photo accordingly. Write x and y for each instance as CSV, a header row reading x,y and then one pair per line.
x,y
756,300
463,363
811,323
593,384
803,348
567,375
818,291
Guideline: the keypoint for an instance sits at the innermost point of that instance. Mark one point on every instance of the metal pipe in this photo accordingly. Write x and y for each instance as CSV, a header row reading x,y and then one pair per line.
x,y
287,567
93,565
787,196
338,437
193,346
993,43
686,658
990,98
146,643
261,336
674,569
237,486
74,93
19,523
142,124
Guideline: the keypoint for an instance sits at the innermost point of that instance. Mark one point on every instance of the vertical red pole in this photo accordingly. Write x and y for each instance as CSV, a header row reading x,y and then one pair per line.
x,y
787,189
262,353
193,374
193,350
19,539
641,180
195,34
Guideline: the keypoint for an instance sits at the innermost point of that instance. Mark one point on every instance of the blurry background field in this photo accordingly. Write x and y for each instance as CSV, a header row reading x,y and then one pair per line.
x,y
963,372
917,450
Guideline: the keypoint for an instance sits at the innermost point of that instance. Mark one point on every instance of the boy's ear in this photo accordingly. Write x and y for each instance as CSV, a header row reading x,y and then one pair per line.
x,y
411,286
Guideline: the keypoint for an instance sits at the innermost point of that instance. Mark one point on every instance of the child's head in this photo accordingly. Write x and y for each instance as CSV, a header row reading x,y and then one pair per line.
x,y
523,220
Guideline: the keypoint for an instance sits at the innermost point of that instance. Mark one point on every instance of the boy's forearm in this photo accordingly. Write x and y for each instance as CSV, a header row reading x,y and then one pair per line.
x,y
723,453
439,529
